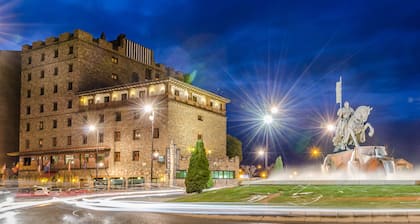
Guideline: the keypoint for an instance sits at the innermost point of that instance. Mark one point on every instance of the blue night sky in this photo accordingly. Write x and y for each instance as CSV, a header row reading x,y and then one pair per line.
x,y
288,53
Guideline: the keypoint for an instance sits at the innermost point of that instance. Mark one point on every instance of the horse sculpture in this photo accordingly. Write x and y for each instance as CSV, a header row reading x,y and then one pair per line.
x,y
354,130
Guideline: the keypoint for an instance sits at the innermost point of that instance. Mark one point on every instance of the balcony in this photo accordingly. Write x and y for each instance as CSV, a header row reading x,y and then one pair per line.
x,y
189,101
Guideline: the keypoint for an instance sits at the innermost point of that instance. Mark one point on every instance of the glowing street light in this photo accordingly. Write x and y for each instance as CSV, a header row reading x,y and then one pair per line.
x,y
92,128
330,127
268,119
261,152
315,152
149,109
274,110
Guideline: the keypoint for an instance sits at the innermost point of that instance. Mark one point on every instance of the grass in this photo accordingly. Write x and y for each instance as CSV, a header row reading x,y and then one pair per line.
x,y
336,196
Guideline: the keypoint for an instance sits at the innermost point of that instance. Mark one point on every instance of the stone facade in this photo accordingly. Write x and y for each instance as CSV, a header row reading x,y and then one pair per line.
x,y
75,80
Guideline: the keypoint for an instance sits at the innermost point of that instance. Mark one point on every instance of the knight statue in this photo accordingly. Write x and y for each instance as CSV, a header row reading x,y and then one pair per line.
x,y
351,126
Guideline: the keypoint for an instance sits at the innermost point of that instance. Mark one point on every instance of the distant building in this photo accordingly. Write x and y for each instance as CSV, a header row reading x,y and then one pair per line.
x,y
9,109
76,80
403,165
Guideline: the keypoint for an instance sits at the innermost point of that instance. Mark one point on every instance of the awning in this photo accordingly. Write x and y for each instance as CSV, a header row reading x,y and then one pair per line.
x,y
60,151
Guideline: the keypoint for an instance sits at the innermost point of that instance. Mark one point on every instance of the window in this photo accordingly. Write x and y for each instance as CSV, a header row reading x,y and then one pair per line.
x,y
148,75
101,137
220,107
142,94
157,76
41,91
106,99
55,90
42,57
124,96
40,142
27,161
200,118
71,50
156,133
84,141
114,60
42,74
117,157
136,115
176,92
69,140
28,110
41,125
28,126
181,174
194,98
136,134
68,159
101,118
69,122
54,141
69,104
136,155
69,85
56,53
223,174
114,76
90,101
135,77
211,103
117,116
29,60
55,123
28,93
55,106
55,71
29,76
27,144
41,108
117,136
70,67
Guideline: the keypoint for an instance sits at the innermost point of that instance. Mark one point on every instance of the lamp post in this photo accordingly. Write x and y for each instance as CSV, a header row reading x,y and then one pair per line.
x,y
92,128
268,120
149,109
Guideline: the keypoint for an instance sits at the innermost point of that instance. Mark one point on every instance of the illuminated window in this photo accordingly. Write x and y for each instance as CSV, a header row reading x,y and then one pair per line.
x,y
40,142
114,76
114,60
136,134
117,157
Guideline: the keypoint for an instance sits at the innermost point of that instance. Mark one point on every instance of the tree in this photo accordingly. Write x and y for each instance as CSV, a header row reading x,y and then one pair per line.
x,y
198,173
278,166
233,147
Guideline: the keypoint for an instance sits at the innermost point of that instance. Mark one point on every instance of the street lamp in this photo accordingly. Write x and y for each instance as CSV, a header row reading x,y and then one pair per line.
x,y
268,119
92,128
149,109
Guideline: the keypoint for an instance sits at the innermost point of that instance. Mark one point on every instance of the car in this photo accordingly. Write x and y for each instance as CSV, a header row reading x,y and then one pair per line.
x,y
40,191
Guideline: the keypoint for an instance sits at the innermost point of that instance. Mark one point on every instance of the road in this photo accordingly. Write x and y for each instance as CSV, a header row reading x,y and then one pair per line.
x,y
147,207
